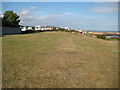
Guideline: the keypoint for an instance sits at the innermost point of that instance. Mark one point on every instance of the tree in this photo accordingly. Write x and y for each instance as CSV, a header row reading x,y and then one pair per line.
x,y
101,36
26,27
0,21
33,28
10,19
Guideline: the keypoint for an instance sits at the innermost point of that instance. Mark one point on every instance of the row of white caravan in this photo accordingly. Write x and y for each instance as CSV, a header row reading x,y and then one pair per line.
x,y
35,28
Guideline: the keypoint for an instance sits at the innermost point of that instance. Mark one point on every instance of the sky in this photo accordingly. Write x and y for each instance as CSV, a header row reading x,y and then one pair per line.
x,y
76,15
60,0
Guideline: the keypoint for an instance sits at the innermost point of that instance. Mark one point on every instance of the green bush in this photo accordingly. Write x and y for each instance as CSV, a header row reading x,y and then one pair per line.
x,y
101,36
113,38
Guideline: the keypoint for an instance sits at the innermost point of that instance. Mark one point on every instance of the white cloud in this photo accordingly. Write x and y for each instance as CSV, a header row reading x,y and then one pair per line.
x,y
38,12
92,23
105,10
68,13
42,17
58,20
31,19
63,14
27,10
33,7
28,16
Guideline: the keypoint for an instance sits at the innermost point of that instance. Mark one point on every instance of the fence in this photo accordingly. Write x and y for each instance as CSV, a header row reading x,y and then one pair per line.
x,y
10,30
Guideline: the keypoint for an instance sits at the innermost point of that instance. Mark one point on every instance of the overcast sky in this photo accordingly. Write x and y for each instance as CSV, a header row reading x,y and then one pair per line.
x,y
76,15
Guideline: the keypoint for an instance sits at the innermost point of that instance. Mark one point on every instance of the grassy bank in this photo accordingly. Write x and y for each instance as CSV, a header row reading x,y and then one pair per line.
x,y
59,60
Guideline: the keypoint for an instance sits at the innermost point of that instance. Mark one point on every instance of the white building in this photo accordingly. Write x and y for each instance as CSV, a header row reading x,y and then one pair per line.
x,y
29,28
48,28
80,30
85,32
23,28
66,28
42,28
57,28
38,28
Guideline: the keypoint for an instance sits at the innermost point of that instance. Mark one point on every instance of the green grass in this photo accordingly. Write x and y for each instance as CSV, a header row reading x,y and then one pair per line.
x,y
58,60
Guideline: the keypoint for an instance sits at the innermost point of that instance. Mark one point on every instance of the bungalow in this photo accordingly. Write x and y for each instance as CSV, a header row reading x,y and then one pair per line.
x,y
66,28
29,28
85,32
80,30
23,28
48,27
56,28
37,28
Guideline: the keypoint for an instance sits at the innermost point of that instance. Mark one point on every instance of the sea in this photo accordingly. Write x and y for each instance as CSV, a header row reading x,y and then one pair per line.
x,y
114,36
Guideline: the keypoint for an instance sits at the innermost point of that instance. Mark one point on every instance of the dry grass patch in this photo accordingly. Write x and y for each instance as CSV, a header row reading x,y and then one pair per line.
x,y
59,60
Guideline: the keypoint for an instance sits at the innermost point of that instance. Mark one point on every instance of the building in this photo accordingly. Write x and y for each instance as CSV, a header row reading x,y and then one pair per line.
x,y
37,28
29,28
80,30
48,27
67,28
23,28
44,28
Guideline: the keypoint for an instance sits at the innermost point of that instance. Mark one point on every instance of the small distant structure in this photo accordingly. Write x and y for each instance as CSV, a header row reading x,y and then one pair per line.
x,y
41,28
26,29
67,28
37,28
56,28
45,28
79,30
85,32
23,28
29,28
82,32
48,28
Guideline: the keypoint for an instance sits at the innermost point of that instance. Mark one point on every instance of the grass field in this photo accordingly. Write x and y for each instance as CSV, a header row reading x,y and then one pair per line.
x,y
58,60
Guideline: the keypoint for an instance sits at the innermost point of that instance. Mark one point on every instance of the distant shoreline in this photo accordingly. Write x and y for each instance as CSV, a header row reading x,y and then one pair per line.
x,y
103,31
